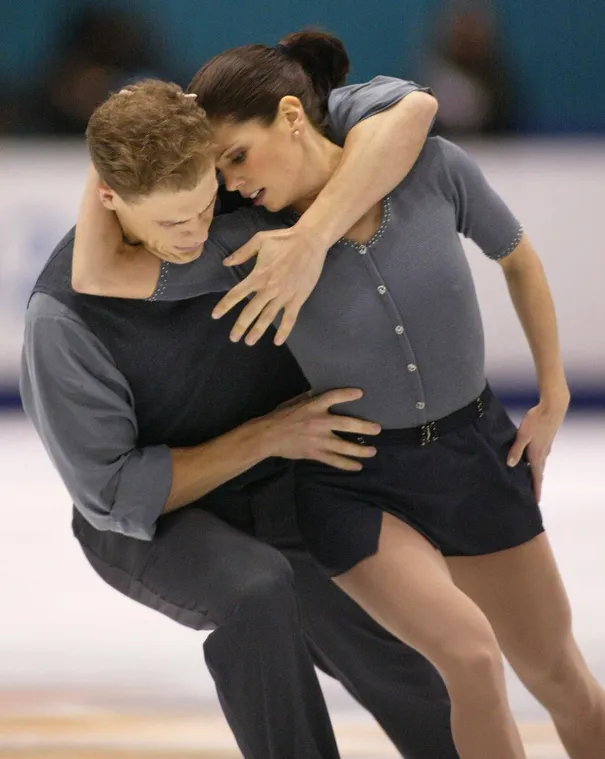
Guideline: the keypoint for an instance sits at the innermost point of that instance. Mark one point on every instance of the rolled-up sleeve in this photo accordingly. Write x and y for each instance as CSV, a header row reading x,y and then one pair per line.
x,y
82,408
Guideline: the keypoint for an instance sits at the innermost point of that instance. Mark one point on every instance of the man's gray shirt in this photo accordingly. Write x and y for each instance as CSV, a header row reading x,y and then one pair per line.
x,y
82,405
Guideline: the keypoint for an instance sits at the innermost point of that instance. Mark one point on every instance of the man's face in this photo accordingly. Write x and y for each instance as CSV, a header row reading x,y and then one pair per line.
x,y
173,225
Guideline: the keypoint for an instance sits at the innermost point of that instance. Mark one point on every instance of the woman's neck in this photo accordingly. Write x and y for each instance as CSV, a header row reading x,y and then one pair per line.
x,y
321,159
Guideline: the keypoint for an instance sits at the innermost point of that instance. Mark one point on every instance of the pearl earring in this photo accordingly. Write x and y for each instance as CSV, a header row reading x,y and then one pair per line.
x,y
296,133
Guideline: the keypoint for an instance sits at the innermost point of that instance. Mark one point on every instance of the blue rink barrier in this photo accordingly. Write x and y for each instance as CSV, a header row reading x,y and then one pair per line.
x,y
582,398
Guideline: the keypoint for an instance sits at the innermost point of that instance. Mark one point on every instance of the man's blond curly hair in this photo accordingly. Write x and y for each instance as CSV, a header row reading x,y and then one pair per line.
x,y
150,136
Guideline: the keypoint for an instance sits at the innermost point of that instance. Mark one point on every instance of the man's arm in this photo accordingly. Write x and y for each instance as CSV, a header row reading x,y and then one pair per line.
x,y
387,121
300,429
83,410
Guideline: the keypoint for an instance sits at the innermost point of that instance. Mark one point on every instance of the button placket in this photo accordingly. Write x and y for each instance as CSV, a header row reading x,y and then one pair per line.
x,y
395,317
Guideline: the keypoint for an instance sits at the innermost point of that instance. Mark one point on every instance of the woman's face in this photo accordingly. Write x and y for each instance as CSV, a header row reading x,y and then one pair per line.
x,y
262,162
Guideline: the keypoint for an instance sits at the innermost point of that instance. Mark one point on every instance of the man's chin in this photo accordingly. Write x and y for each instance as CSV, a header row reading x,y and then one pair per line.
x,y
177,257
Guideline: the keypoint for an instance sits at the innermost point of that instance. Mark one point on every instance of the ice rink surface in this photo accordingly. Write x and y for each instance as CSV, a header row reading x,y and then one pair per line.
x,y
63,631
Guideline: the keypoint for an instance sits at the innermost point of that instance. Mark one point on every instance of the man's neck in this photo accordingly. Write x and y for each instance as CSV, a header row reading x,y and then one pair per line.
x,y
128,237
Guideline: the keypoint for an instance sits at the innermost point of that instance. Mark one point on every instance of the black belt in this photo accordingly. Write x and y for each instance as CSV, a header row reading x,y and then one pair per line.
x,y
431,431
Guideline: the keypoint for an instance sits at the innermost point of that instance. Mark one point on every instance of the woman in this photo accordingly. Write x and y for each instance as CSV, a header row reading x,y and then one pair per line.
x,y
440,536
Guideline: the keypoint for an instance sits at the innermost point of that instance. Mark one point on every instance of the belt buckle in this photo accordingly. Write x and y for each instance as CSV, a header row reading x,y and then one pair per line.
x,y
428,433
480,408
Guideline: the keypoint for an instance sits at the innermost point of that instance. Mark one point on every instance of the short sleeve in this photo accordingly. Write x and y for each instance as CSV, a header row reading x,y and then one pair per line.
x,y
481,214
82,408
207,274
350,105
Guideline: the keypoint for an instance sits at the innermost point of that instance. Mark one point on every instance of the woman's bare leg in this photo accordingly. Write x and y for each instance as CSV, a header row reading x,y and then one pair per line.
x,y
521,593
407,588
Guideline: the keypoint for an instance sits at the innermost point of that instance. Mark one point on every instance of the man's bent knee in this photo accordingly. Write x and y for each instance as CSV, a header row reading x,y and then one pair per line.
x,y
267,589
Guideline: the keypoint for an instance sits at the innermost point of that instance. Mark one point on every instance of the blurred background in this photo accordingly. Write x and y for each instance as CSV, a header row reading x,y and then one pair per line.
x,y
519,85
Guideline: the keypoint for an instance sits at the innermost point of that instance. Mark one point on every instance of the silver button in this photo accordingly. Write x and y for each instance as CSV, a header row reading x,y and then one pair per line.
x,y
412,367
363,250
381,289
420,405
399,329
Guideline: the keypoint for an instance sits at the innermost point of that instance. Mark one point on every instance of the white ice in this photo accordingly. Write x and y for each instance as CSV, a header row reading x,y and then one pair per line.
x,y
60,626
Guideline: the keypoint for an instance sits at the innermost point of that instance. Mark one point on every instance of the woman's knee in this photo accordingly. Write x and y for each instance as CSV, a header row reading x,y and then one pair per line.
x,y
472,655
554,670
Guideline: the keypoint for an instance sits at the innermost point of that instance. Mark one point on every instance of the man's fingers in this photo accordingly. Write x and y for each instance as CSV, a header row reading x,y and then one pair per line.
x,y
334,397
245,253
249,313
352,425
297,399
233,297
339,462
264,321
354,450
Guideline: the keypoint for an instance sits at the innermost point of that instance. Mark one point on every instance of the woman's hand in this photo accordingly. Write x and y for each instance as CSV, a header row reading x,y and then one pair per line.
x,y
535,436
289,264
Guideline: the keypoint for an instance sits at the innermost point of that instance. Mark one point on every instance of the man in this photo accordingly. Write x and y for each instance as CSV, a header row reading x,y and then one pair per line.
x,y
166,435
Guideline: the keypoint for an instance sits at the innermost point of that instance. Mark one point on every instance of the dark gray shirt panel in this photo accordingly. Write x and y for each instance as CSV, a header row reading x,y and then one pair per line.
x,y
83,410
397,317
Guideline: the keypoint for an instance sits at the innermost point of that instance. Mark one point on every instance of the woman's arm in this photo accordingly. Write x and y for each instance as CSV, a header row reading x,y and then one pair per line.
x,y
379,151
534,305
103,264
535,308
483,216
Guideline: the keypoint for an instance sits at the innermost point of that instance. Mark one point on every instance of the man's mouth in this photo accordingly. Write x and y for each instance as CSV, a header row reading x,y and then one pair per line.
x,y
190,248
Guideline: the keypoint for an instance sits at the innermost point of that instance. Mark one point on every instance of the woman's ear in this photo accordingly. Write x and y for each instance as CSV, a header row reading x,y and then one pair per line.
x,y
291,110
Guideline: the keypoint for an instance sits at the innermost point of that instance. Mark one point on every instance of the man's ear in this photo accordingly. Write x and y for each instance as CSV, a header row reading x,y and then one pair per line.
x,y
107,196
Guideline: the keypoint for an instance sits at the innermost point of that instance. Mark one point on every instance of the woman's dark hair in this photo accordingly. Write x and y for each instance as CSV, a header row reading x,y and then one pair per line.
x,y
248,82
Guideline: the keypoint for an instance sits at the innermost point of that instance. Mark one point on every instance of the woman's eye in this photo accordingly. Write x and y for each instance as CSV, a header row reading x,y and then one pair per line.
x,y
239,158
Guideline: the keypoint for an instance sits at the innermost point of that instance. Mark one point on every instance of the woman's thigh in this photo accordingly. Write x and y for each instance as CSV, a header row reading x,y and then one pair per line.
x,y
406,587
